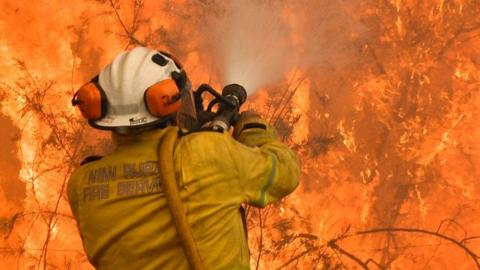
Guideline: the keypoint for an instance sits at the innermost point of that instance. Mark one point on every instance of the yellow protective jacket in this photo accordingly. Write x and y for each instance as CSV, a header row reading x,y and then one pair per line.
x,y
123,217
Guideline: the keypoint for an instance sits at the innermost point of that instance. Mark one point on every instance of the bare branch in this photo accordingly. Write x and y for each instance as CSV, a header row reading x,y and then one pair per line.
x,y
130,34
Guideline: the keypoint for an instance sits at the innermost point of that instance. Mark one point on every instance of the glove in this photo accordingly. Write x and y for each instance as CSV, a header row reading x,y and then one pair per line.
x,y
252,130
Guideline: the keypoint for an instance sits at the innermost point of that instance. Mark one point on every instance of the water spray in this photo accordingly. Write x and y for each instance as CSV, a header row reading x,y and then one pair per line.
x,y
252,41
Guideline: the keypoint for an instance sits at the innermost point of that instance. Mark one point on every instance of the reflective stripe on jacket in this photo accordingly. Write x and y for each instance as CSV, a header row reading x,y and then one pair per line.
x,y
122,214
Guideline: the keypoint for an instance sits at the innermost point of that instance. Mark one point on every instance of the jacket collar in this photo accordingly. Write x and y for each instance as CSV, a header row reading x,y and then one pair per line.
x,y
154,134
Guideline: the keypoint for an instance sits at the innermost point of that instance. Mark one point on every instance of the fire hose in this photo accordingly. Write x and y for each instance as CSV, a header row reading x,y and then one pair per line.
x,y
165,161
233,96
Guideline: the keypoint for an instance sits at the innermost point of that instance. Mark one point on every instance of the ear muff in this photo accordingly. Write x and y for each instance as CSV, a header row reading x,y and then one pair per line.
x,y
163,98
91,100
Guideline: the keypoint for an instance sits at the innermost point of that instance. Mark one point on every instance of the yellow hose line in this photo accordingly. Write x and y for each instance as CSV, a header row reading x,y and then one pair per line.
x,y
167,174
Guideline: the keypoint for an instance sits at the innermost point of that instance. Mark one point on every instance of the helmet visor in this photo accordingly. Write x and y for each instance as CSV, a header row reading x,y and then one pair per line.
x,y
187,114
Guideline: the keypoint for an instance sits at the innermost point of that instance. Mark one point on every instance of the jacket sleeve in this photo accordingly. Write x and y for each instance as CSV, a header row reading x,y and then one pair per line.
x,y
267,168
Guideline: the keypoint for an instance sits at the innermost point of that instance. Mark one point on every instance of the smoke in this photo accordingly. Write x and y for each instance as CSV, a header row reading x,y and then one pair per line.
x,y
253,41
259,42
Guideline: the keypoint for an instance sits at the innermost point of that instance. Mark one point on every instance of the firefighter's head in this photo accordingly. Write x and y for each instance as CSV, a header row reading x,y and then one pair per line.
x,y
141,89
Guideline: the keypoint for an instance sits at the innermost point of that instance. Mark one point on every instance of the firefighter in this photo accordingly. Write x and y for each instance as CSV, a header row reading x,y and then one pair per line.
x,y
120,201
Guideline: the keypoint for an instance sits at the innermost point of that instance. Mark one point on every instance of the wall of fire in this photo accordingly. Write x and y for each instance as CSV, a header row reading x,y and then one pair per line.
x,y
381,104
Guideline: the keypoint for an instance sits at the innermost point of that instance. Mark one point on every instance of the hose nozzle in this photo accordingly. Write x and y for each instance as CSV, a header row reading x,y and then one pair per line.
x,y
235,93
229,103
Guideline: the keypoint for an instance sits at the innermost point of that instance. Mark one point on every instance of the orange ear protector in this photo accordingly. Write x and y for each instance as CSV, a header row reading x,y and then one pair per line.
x,y
91,100
163,98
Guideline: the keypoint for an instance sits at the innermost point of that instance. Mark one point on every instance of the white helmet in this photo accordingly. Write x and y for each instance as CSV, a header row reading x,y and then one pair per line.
x,y
140,88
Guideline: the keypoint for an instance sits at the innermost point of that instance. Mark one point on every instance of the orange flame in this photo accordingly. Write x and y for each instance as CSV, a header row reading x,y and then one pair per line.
x,y
380,101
